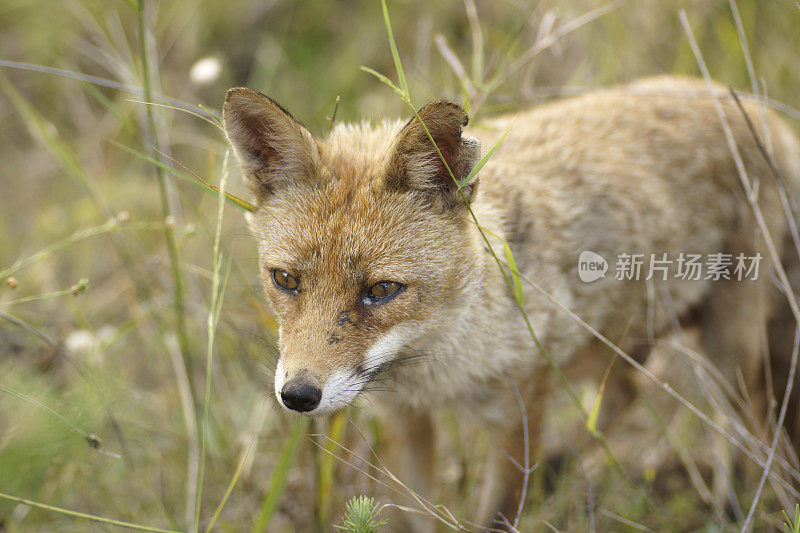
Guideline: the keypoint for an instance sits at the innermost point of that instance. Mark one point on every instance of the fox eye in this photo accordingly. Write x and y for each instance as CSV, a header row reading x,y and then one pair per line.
x,y
384,289
284,280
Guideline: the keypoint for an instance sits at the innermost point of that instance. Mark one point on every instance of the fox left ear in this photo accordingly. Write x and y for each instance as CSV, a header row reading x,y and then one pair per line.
x,y
414,163
273,148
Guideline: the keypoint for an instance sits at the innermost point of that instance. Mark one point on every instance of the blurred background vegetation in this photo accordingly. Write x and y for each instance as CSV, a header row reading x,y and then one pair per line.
x,y
121,361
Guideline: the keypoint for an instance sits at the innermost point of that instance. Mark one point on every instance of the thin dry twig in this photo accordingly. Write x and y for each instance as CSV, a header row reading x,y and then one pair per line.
x,y
789,202
477,38
526,469
455,64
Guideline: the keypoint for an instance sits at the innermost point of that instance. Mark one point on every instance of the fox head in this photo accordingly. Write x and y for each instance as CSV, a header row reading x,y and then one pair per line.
x,y
364,240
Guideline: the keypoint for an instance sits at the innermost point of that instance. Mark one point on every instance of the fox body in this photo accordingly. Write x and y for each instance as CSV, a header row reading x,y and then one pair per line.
x,y
381,277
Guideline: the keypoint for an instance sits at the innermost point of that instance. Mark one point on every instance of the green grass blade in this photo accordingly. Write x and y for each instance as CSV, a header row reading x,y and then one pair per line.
x,y
792,526
37,403
278,482
483,161
383,79
79,287
326,469
194,179
90,438
94,80
519,294
515,283
213,121
395,54
211,114
86,516
333,115
594,413
103,82
217,294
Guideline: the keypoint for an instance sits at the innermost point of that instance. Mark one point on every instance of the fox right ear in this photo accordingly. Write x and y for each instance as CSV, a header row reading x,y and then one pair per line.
x,y
415,163
272,147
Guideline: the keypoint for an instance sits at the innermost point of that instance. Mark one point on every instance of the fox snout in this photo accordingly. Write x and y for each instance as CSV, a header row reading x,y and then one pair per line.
x,y
317,382
306,391
300,395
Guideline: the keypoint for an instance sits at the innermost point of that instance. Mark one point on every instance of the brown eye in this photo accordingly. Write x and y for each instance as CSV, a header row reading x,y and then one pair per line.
x,y
284,280
384,289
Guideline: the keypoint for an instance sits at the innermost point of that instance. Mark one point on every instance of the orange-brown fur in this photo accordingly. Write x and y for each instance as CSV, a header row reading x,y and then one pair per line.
x,y
639,168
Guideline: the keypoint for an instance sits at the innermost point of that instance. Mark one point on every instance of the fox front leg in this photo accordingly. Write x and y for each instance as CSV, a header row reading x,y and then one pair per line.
x,y
409,452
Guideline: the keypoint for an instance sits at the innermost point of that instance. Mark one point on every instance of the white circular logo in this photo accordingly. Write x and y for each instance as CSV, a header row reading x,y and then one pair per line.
x,y
591,266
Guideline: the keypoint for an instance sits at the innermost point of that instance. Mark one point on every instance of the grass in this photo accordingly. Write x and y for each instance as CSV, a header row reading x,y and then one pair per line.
x,y
792,524
178,334
362,515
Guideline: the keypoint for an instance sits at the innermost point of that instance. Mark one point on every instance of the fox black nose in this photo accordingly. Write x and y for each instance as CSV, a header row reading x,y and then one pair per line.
x,y
300,396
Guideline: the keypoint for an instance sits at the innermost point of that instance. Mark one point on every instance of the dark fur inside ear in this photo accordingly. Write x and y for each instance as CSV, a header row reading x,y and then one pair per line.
x,y
414,163
272,147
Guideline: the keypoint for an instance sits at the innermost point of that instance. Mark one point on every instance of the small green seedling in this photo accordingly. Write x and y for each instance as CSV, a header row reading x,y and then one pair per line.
x,y
792,525
362,515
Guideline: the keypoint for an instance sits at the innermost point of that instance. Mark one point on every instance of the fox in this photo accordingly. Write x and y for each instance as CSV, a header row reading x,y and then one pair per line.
x,y
384,264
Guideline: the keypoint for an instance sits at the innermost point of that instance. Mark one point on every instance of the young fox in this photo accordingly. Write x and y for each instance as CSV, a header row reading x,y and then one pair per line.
x,y
379,273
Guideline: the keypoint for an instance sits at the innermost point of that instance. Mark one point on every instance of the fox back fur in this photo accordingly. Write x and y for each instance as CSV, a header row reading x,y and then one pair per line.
x,y
379,273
